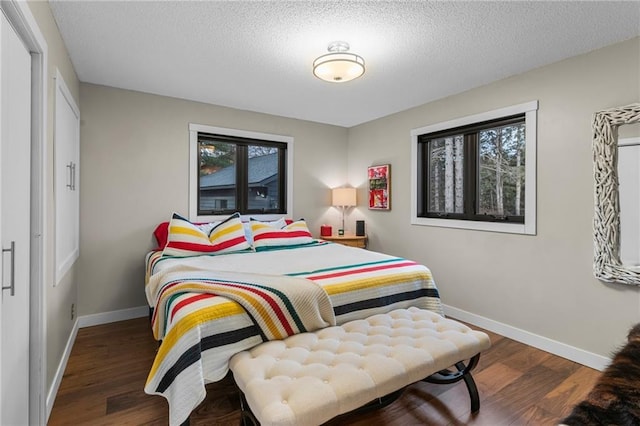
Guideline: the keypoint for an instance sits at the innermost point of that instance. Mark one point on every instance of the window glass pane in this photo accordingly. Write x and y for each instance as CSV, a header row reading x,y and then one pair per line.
x,y
264,179
217,183
501,170
446,174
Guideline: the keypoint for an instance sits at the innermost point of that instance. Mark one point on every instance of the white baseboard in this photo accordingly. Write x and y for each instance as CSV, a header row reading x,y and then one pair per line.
x,y
57,379
112,316
88,321
572,353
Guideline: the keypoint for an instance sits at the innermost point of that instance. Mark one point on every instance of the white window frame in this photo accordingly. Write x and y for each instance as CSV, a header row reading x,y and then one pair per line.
x,y
194,129
530,110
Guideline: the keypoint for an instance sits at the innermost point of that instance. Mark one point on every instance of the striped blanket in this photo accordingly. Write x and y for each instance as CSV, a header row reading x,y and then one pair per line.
x,y
203,330
279,305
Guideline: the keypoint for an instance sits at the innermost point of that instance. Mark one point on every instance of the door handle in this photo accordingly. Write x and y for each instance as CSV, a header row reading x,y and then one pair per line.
x,y
11,286
70,184
73,176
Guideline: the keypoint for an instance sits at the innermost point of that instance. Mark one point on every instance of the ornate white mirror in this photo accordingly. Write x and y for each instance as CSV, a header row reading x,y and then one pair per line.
x,y
617,183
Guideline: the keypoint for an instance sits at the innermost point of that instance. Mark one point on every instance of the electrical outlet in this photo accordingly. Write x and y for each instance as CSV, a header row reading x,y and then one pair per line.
x,y
73,311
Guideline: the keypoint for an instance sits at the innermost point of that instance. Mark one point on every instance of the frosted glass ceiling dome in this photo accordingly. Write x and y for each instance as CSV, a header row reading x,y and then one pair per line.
x,y
340,65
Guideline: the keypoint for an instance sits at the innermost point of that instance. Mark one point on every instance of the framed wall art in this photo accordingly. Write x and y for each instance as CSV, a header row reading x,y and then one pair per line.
x,y
379,178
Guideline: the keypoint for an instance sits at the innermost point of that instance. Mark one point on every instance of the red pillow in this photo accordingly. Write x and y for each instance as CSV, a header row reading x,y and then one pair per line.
x,y
162,233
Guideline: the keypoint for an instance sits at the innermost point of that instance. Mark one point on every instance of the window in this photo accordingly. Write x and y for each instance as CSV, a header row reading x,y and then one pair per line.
x,y
233,170
477,172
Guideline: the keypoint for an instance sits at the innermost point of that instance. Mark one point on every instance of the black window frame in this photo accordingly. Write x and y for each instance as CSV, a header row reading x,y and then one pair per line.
x,y
242,174
470,171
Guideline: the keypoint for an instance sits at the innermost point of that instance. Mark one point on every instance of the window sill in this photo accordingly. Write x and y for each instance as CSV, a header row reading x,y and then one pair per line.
x,y
509,228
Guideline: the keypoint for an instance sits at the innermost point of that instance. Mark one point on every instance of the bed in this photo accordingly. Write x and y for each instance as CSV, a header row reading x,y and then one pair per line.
x,y
202,317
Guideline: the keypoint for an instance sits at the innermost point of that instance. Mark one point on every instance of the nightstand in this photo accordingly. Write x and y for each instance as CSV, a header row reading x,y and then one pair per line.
x,y
348,240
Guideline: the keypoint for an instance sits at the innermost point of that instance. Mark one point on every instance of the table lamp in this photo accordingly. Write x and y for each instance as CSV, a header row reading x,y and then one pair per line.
x,y
343,198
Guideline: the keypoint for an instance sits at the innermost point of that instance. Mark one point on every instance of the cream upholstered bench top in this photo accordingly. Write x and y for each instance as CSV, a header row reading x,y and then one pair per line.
x,y
309,378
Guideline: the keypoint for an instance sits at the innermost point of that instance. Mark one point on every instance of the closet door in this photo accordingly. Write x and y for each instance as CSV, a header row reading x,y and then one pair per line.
x,y
15,213
67,184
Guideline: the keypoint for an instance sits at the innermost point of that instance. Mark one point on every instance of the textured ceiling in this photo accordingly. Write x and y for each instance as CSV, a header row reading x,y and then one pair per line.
x,y
257,55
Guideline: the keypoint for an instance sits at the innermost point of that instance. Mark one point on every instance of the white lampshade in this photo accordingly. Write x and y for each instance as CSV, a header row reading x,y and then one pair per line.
x,y
343,197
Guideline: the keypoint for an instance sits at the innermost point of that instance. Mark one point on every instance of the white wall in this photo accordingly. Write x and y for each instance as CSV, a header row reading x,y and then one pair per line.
x,y
135,170
541,284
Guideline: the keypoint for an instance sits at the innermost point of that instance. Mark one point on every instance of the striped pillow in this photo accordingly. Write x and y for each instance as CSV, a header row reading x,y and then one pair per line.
x,y
229,236
266,236
162,232
187,239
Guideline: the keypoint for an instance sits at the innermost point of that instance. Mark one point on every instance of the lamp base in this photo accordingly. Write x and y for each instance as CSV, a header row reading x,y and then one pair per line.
x,y
340,231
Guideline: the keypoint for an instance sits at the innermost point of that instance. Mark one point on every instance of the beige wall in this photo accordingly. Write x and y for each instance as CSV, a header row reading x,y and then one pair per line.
x,y
58,299
542,284
134,174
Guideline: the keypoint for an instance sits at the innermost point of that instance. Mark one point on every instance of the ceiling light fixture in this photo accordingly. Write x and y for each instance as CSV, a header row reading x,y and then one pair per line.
x,y
338,66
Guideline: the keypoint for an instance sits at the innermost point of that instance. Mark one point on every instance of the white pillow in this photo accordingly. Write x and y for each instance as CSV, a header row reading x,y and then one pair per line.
x,y
248,233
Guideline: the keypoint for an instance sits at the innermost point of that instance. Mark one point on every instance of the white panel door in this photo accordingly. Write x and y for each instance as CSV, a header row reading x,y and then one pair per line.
x,y
67,185
15,212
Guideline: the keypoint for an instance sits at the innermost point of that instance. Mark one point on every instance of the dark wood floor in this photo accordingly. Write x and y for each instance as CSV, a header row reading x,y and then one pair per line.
x,y
519,385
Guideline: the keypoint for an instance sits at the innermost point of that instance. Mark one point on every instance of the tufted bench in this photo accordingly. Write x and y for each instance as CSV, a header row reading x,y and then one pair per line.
x,y
310,378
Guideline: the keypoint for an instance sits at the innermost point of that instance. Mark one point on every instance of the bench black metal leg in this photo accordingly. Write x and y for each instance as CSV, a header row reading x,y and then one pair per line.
x,y
473,392
463,373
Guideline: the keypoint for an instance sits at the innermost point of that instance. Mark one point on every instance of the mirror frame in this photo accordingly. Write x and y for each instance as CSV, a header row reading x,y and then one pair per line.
x,y
606,221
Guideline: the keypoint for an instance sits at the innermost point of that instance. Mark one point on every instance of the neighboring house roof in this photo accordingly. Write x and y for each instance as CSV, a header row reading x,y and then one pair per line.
x,y
261,169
